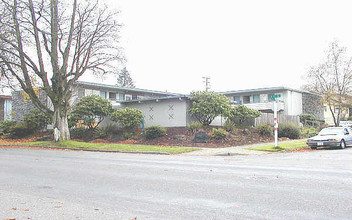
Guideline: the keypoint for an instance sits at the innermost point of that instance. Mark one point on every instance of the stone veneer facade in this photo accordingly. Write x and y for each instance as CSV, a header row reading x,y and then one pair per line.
x,y
311,104
20,107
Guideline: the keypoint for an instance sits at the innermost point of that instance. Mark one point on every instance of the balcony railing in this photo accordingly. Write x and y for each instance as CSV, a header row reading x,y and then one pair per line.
x,y
265,106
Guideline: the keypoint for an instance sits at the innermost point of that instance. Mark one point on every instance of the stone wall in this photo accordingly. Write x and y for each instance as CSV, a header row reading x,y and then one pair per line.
x,y
311,104
20,106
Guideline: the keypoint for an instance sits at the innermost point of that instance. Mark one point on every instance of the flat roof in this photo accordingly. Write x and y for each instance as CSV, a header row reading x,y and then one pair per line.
x,y
154,99
5,97
100,85
262,90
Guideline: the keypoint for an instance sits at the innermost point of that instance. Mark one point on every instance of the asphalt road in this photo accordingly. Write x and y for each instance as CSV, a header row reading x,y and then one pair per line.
x,y
51,184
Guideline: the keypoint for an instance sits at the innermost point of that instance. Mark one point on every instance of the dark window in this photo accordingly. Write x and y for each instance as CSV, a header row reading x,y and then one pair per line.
x,y
112,95
246,99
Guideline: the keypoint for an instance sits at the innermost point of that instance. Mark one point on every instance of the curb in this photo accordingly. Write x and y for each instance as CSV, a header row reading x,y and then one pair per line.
x,y
89,150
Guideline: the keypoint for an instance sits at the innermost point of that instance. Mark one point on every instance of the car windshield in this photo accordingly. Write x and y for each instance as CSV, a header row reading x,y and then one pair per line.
x,y
331,131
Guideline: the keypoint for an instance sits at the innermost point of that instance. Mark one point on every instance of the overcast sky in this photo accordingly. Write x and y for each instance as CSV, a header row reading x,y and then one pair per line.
x,y
171,45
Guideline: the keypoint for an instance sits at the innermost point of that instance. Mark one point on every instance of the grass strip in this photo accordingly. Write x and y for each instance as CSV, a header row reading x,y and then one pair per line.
x,y
281,146
113,147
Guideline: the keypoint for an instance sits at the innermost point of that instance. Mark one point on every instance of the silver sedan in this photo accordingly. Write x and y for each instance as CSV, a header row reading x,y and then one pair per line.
x,y
331,137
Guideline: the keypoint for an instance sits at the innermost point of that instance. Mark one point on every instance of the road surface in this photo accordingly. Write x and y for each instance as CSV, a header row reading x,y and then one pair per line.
x,y
54,184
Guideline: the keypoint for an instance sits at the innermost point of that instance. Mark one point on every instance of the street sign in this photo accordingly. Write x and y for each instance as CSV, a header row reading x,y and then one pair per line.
x,y
274,96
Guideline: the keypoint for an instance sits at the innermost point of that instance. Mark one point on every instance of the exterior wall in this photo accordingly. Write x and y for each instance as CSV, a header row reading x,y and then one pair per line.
x,y
311,104
165,113
293,103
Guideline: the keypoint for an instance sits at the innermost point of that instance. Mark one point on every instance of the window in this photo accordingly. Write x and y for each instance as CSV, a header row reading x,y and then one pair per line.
x,y
112,95
103,94
337,110
246,99
256,98
134,97
121,96
88,92
128,97
237,99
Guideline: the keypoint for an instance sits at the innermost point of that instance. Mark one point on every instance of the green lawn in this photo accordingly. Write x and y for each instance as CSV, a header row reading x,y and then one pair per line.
x,y
113,147
281,146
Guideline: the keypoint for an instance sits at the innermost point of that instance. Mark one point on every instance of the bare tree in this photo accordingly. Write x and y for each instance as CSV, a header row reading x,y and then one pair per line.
x,y
51,44
124,79
332,79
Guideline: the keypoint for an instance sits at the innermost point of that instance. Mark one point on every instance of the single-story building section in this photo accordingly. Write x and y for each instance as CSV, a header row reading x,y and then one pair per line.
x,y
164,111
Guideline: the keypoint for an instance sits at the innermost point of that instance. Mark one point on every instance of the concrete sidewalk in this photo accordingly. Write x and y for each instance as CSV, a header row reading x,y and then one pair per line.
x,y
231,151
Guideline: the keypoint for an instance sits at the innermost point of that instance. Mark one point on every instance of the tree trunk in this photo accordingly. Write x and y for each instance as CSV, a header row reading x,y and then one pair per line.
x,y
60,122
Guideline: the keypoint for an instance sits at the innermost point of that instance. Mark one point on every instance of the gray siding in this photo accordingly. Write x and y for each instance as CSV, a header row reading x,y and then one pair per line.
x,y
165,113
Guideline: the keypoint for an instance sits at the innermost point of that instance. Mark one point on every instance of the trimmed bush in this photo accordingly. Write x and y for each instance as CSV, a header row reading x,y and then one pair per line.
x,y
307,119
229,125
242,113
106,131
20,130
206,106
36,119
194,126
289,130
128,118
265,129
219,133
6,126
304,117
80,133
308,132
153,132
91,111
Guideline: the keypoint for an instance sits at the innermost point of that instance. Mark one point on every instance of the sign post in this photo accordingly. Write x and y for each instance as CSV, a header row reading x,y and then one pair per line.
x,y
276,125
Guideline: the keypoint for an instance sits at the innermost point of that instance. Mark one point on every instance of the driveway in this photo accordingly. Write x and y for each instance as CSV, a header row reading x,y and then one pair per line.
x,y
51,184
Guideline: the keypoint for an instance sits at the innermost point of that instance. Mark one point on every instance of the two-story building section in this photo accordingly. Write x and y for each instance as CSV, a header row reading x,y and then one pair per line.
x,y
290,101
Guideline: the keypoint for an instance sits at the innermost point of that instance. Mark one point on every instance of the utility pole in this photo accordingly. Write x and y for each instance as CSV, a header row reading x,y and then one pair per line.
x,y
206,80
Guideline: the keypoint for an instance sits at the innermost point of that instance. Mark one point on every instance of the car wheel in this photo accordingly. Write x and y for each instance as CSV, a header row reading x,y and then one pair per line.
x,y
313,148
342,144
